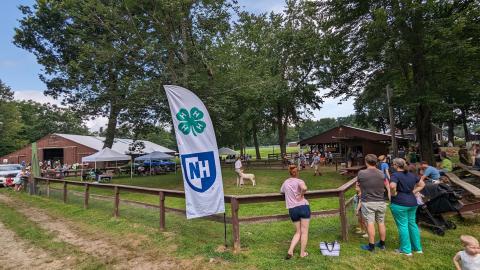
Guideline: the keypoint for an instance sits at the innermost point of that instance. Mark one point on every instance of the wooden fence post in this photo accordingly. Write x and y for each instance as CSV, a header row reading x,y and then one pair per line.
x,y
29,185
343,215
64,191
161,196
87,196
117,202
235,225
48,188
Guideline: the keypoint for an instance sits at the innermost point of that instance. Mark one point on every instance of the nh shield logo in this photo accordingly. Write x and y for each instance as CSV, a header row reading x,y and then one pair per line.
x,y
199,170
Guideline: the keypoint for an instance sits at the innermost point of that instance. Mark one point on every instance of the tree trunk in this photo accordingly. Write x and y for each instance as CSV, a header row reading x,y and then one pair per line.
x,y
114,111
424,132
281,138
282,130
392,122
242,147
255,142
112,125
424,112
451,127
463,115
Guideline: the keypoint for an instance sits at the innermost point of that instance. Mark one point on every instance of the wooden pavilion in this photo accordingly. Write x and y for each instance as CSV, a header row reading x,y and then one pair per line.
x,y
344,140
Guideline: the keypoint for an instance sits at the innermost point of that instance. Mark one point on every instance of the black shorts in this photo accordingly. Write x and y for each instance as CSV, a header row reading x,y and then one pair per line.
x,y
299,212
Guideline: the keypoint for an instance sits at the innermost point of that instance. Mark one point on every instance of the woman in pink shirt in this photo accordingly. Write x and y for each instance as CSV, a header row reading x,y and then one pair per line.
x,y
298,209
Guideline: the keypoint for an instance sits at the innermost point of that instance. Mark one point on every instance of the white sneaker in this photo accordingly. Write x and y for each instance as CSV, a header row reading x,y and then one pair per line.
x,y
419,252
400,252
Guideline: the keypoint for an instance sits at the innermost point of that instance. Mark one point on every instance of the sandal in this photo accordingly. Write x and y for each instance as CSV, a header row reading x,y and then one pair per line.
x,y
306,255
289,256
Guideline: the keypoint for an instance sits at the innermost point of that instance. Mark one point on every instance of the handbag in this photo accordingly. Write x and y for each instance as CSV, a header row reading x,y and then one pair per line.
x,y
330,248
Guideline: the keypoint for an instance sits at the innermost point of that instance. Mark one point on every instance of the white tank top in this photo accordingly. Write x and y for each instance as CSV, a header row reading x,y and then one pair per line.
x,y
469,262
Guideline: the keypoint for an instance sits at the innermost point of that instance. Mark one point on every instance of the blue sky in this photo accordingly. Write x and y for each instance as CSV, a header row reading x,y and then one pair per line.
x,y
19,68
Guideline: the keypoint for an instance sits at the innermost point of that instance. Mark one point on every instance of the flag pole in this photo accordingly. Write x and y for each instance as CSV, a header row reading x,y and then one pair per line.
x,y
225,228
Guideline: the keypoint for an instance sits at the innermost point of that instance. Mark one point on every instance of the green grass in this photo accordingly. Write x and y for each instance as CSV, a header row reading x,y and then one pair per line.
x,y
263,245
31,232
265,150
268,181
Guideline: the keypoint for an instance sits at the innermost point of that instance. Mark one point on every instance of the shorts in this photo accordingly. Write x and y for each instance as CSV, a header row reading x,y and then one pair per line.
x,y
374,211
299,212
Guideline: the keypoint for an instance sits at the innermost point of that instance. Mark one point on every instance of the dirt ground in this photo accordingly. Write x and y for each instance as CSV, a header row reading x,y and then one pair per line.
x,y
126,253
18,254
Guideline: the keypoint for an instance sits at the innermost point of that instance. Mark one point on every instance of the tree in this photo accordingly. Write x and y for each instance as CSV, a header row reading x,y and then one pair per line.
x,y
111,58
387,43
309,128
39,120
10,123
270,63
6,93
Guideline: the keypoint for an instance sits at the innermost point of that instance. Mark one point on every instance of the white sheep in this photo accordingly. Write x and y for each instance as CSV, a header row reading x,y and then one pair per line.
x,y
243,176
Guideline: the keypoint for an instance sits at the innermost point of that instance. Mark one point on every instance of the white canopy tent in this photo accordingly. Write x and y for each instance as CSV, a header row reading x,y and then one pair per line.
x,y
106,154
226,151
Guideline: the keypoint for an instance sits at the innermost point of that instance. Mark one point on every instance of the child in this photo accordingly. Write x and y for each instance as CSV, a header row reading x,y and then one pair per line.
x,y
357,204
383,166
469,258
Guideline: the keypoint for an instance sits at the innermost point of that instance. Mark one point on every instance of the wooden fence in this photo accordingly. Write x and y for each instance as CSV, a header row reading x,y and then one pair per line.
x,y
234,200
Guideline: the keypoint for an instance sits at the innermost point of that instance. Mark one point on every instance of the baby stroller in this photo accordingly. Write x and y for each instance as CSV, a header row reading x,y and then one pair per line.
x,y
439,199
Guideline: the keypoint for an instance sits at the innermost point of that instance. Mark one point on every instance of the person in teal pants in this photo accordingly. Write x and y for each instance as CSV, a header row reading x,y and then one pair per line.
x,y
404,185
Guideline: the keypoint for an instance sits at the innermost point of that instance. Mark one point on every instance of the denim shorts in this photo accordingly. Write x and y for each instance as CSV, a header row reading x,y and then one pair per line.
x,y
299,212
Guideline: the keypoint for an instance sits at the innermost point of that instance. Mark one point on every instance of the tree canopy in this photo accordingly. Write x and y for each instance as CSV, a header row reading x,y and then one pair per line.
x,y
260,75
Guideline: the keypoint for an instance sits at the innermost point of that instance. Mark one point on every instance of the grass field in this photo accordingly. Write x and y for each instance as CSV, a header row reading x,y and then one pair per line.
x,y
263,245
265,150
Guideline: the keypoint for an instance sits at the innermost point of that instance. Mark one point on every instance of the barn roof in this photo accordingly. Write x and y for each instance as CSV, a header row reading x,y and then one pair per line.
x,y
119,145
345,132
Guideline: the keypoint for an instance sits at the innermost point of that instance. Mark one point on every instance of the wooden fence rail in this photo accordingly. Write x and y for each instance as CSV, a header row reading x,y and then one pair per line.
x,y
234,200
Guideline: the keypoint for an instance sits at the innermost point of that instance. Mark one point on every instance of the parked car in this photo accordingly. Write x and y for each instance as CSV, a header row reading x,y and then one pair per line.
x,y
8,171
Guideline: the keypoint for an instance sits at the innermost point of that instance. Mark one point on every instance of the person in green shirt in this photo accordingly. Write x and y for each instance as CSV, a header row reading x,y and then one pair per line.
x,y
446,165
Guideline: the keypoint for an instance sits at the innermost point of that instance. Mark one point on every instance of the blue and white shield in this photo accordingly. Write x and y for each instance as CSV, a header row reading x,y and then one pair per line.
x,y
199,170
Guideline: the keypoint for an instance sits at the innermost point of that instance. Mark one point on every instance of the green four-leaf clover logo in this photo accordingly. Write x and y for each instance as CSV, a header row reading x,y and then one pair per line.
x,y
191,121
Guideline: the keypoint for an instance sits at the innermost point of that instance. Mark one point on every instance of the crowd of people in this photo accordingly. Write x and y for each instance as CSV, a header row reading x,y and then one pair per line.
x,y
380,187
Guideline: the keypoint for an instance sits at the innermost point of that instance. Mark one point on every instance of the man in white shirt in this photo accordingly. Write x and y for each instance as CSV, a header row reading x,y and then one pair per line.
x,y
238,169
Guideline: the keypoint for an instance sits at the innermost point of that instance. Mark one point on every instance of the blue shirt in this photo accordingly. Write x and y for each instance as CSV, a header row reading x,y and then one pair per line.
x,y
384,168
431,173
405,184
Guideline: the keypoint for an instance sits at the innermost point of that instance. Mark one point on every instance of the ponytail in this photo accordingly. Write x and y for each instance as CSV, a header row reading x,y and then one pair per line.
x,y
293,170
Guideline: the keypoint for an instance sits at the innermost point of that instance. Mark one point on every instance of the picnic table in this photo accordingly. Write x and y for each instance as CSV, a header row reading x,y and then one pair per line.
x,y
469,169
353,171
467,186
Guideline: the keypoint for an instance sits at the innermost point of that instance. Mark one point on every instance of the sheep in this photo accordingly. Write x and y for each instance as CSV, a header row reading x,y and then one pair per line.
x,y
243,176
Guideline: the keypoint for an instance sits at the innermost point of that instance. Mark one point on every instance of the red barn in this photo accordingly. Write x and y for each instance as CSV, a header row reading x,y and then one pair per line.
x,y
70,149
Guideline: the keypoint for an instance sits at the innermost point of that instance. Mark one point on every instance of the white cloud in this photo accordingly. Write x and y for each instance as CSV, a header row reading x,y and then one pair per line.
x,y
97,123
332,108
38,96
